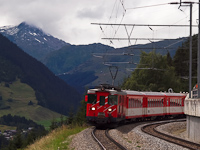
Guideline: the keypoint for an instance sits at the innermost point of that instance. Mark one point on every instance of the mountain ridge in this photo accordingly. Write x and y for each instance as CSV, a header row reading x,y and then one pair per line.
x,y
32,40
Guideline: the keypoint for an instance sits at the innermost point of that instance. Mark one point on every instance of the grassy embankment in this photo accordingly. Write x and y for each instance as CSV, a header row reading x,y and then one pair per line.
x,y
57,139
17,96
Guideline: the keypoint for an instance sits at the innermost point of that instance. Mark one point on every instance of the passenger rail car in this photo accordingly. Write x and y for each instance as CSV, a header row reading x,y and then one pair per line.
x,y
107,104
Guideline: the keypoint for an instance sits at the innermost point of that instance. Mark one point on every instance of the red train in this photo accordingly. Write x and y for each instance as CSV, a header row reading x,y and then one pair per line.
x,y
107,104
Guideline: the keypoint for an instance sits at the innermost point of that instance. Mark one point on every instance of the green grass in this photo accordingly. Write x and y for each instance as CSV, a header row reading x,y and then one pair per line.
x,y
57,138
47,123
4,127
20,94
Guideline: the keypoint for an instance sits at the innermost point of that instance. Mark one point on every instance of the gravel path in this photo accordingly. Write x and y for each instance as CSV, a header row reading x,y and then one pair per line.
x,y
132,137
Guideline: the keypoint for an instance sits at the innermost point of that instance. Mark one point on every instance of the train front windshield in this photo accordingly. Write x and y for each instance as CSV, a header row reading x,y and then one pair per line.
x,y
112,99
92,98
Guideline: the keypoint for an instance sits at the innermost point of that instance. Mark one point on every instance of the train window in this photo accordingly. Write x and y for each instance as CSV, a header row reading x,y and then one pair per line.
x,y
132,104
119,99
102,100
135,102
92,98
112,99
172,102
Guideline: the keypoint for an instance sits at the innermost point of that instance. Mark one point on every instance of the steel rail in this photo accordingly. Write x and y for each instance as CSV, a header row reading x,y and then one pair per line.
x,y
116,143
110,139
101,145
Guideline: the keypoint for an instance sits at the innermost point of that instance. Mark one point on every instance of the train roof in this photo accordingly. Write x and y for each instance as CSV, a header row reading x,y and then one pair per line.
x,y
129,92
112,91
115,90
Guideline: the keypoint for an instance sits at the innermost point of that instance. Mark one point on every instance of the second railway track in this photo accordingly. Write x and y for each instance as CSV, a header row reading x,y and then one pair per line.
x,y
105,141
150,129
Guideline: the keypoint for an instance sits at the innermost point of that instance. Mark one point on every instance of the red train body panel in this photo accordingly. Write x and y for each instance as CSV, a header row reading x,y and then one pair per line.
x,y
109,105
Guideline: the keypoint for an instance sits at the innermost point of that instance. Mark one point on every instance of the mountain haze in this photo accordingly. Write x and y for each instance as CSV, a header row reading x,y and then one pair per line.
x,y
88,65
84,65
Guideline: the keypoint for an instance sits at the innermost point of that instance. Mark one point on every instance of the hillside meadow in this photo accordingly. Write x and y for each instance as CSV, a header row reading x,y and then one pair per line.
x,y
16,98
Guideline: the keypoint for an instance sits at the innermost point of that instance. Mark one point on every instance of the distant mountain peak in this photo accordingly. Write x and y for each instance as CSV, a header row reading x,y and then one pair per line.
x,y
32,39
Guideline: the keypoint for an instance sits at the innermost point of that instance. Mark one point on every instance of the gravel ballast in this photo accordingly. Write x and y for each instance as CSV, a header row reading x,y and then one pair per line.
x,y
133,138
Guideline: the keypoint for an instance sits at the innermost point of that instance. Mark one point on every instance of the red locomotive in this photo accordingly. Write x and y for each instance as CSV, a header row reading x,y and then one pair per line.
x,y
107,104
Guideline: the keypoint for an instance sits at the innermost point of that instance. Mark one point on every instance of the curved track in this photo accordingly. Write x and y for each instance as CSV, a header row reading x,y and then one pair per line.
x,y
105,141
150,129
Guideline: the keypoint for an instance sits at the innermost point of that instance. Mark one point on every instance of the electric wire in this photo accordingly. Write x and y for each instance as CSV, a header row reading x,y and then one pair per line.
x,y
148,6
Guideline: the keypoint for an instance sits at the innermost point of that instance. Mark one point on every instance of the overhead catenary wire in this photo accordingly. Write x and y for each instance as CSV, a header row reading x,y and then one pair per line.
x,y
149,39
116,27
155,5
148,6
149,25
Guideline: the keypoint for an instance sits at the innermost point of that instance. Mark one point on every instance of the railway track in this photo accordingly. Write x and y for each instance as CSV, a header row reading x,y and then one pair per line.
x,y
105,141
150,129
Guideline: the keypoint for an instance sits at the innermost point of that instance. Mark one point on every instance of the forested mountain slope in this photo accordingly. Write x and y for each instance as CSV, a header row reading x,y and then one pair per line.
x,y
50,91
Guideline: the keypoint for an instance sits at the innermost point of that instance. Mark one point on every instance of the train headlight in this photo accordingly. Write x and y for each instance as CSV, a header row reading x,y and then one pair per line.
x,y
109,109
93,108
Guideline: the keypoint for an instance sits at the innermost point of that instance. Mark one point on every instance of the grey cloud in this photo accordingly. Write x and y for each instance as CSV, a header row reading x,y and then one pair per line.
x,y
91,13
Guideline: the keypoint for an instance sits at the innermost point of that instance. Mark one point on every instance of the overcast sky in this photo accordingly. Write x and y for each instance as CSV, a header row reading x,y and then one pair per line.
x,y
70,20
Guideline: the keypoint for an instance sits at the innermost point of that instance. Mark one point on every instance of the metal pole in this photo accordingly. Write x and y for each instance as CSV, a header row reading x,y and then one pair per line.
x,y
190,56
198,57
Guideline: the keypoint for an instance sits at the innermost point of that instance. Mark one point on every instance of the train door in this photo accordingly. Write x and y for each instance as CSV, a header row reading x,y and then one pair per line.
x,y
121,106
144,107
168,106
102,100
164,102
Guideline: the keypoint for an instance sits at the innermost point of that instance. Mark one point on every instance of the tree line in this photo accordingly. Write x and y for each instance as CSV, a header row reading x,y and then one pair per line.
x,y
21,139
156,72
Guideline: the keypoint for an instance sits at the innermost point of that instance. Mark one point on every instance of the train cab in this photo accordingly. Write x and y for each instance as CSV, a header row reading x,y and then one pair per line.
x,y
104,105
